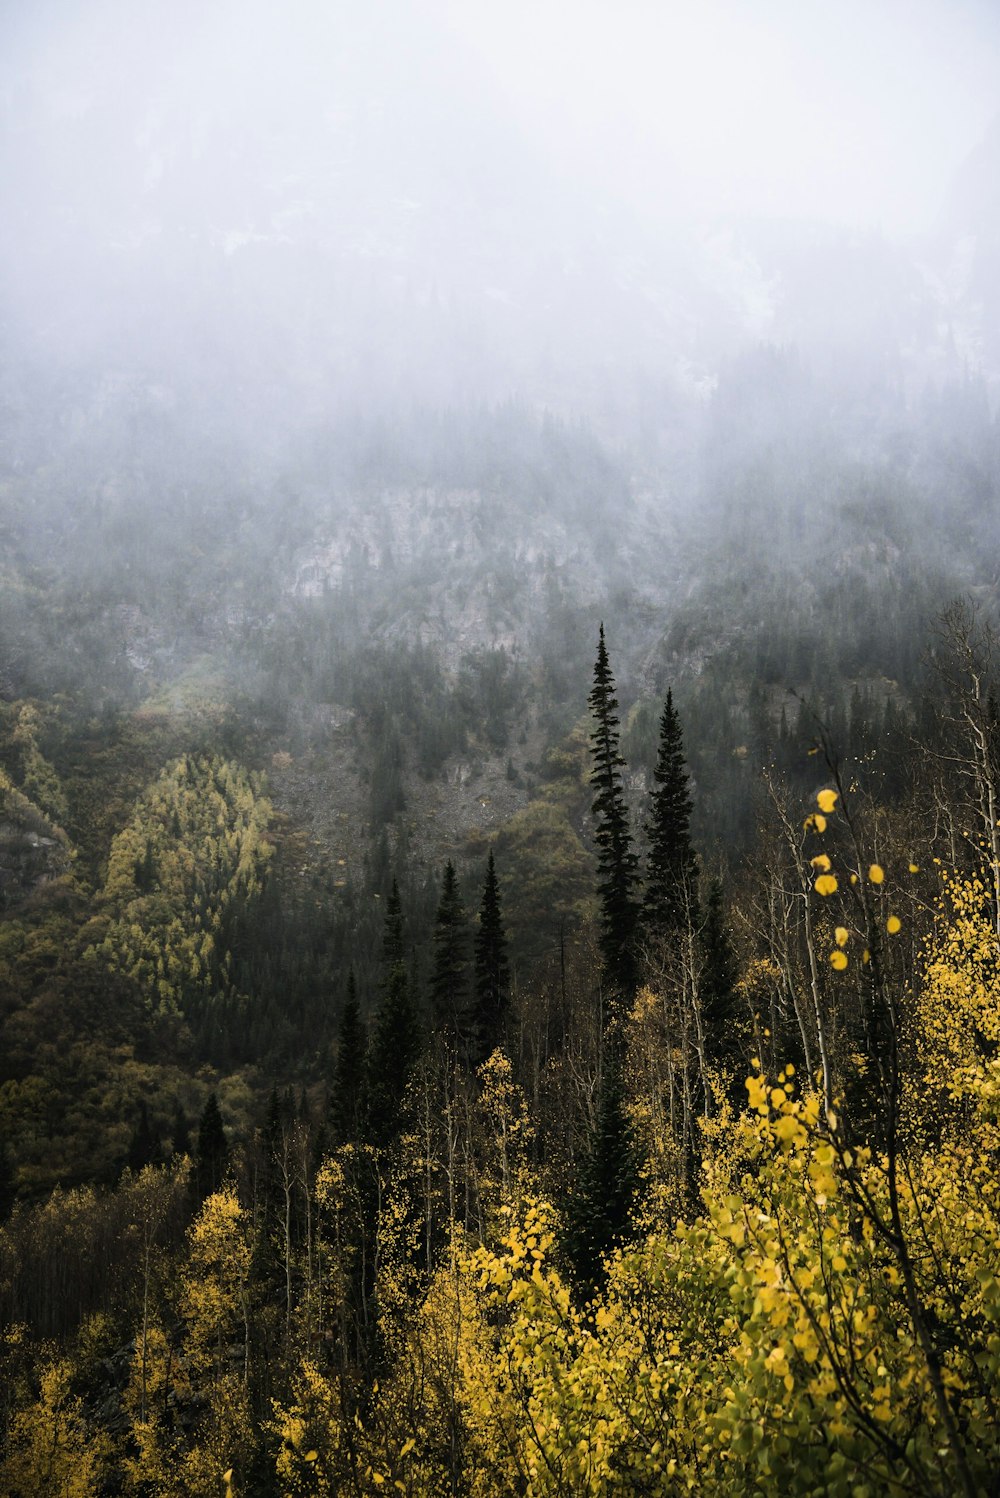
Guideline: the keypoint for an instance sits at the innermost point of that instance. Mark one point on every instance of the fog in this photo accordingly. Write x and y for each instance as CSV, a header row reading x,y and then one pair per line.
x,y
288,211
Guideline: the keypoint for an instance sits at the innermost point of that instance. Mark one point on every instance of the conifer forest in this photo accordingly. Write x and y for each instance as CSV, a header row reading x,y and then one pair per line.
x,y
499,750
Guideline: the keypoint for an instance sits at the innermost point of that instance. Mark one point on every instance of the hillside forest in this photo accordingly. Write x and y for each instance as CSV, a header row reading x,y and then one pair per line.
x,y
606,1161
499,749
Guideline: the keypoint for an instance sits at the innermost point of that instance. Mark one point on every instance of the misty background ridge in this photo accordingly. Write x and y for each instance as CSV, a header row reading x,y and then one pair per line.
x,y
347,209
412,324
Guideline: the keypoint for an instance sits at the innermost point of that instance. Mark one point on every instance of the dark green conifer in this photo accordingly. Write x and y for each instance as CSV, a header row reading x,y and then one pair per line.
x,y
717,983
671,898
212,1159
348,1077
600,1211
492,971
396,1041
616,860
449,985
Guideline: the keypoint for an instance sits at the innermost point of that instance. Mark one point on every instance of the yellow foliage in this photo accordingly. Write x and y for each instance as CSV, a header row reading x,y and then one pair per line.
x,y
215,1283
51,1448
960,995
197,841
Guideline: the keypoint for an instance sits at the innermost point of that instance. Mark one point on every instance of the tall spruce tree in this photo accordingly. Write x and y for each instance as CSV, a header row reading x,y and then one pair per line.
x,y
671,895
599,1212
618,866
717,982
492,971
213,1151
396,1039
449,985
348,1076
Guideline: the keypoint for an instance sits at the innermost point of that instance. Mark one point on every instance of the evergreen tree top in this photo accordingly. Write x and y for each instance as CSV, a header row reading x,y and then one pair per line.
x,y
449,976
618,866
671,867
492,973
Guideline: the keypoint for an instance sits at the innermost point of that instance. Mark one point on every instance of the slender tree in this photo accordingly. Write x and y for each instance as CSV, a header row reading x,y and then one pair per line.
x,y
492,972
671,895
396,1041
600,1210
213,1151
449,985
348,1077
717,983
618,868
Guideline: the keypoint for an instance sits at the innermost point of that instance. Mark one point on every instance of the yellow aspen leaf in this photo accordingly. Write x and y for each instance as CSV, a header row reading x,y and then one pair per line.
x,y
866,956
840,936
893,924
838,960
876,873
822,862
826,884
826,801
311,1456
914,868
815,823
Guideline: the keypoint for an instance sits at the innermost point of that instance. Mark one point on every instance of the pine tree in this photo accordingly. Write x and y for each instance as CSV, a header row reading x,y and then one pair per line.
x,y
671,899
616,859
449,985
345,1105
396,1041
717,982
213,1151
599,1212
492,972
